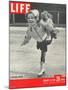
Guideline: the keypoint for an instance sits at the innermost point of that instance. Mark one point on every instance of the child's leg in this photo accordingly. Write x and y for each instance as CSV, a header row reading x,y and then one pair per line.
x,y
54,33
42,63
48,35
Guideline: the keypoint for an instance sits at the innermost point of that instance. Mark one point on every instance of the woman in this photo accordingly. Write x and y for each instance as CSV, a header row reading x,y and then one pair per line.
x,y
38,32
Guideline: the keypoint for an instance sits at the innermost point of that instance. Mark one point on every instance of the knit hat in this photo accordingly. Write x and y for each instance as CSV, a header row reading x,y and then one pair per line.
x,y
35,13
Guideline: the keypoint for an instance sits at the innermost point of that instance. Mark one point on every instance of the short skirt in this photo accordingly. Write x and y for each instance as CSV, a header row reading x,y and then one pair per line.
x,y
43,45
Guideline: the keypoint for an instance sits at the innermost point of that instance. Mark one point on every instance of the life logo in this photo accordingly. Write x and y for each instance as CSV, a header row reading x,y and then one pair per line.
x,y
19,7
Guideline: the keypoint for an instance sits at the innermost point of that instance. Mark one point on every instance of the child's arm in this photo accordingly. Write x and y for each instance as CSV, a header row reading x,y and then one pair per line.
x,y
26,39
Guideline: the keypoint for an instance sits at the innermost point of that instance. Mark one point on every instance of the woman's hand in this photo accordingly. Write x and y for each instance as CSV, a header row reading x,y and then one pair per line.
x,y
22,44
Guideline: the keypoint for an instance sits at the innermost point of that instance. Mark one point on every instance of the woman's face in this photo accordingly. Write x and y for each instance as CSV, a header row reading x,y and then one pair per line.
x,y
31,19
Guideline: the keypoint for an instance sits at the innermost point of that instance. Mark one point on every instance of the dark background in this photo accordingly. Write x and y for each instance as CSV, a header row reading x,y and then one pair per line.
x,y
57,10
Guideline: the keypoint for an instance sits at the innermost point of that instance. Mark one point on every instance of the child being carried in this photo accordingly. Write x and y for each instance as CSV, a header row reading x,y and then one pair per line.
x,y
47,23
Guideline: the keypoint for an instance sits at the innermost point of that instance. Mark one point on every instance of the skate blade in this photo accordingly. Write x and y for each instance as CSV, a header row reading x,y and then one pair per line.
x,y
41,74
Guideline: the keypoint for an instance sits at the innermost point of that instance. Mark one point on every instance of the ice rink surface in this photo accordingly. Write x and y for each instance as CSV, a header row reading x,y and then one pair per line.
x,y
25,61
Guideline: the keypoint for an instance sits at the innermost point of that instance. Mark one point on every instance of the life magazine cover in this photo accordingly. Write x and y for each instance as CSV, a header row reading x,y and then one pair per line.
x,y
37,44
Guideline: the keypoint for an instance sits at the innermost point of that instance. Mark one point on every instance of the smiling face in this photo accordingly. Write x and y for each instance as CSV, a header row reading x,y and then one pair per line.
x,y
31,19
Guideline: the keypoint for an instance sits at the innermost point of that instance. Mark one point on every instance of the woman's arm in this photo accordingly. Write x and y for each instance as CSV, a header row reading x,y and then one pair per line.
x,y
26,39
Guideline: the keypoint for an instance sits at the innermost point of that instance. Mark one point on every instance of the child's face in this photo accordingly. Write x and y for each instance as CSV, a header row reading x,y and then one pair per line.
x,y
31,19
44,16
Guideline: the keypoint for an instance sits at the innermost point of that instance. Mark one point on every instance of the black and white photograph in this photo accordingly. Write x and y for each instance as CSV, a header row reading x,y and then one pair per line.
x,y
37,42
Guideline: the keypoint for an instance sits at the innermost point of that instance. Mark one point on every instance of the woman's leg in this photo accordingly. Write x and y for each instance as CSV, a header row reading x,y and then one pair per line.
x,y
43,53
42,63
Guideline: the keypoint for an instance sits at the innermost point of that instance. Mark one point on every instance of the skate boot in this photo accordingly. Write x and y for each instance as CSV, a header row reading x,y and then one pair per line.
x,y
42,70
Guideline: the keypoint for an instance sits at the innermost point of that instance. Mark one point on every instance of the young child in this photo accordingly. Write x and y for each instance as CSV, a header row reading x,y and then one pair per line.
x,y
47,22
38,32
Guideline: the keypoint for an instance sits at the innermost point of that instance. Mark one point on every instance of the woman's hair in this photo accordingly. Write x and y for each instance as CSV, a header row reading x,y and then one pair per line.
x,y
26,15
47,13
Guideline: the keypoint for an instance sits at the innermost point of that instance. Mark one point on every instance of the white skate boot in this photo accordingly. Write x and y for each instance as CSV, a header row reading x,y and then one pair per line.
x,y
42,70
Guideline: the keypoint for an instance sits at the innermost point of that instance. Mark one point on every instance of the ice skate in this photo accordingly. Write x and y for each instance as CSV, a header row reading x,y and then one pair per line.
x,y
41,73
42,70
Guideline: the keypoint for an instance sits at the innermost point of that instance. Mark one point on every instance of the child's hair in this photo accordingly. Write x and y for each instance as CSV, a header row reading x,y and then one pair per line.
x,y
47,13
35,13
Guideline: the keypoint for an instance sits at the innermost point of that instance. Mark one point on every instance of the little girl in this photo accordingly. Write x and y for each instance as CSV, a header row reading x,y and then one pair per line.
x,y
37,30
47,22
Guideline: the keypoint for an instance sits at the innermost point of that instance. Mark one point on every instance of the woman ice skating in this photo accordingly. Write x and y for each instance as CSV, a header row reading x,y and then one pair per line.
x,y
41,31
